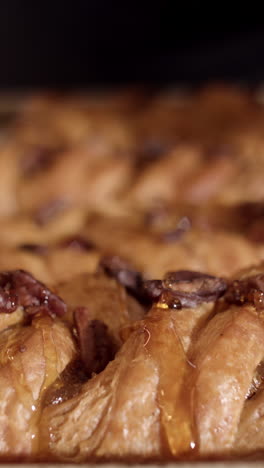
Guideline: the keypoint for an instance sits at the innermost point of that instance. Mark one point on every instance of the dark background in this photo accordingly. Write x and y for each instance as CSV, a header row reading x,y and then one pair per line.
x,y
86,43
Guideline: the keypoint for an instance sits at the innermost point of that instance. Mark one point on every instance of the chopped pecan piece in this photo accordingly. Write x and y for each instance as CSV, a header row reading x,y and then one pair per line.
x,y
34,248
247,290
50,210
183,226
129,278
20,288
77,243
96,345
38,158
191,288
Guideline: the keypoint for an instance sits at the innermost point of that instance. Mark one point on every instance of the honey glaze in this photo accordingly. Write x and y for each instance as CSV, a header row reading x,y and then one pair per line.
x,y
165,347
21,359
31,358
67,385
161,343
168,300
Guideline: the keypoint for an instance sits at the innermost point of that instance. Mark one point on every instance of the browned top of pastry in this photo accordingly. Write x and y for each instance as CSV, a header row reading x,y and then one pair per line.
x,y
132,277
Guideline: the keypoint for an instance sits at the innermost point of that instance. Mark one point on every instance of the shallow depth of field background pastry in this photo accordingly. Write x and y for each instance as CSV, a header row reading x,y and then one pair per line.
x,y
131,238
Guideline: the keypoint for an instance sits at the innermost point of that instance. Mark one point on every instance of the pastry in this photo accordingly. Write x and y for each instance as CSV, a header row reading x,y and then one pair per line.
x,y
132,277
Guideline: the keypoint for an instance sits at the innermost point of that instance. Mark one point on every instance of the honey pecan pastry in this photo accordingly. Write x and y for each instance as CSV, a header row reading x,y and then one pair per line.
x,y
132,277
131,369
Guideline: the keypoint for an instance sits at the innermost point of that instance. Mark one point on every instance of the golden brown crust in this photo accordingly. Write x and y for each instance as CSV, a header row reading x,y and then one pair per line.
x,y
140,335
